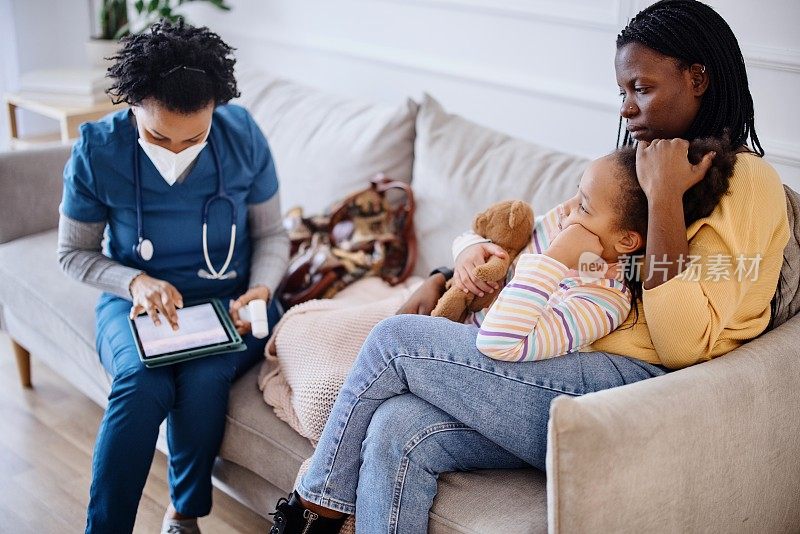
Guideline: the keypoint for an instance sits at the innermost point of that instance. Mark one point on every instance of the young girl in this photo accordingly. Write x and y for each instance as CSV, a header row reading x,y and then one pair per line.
x,y
556,302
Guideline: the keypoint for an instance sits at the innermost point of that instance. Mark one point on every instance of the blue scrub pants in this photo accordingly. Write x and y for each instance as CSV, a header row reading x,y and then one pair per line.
x,y
192,396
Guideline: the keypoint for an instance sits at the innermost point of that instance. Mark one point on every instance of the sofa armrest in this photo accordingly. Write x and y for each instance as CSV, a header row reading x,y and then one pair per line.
x,y
711,448
30,191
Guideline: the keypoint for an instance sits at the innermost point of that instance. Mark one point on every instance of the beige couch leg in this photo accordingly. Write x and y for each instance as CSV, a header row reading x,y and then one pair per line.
x,y
23,364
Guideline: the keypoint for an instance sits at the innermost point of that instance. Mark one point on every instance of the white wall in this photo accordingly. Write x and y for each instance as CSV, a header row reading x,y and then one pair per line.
x,y
538,69
39,34
8,63
51,33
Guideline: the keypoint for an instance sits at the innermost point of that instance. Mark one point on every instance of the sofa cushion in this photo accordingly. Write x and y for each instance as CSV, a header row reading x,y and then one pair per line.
x,y
36,294
326,146
461,167
256,439
511,501
26,171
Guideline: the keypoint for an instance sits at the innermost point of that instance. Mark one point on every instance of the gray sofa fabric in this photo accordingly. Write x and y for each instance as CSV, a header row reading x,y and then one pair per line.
x,y
30,191
59,310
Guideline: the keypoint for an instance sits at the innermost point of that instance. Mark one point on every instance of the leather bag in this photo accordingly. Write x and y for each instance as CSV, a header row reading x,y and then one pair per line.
x,y
369,233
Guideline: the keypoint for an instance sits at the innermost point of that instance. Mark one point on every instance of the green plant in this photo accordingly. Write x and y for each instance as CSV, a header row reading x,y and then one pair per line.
x,y
154,10
114,14
113,19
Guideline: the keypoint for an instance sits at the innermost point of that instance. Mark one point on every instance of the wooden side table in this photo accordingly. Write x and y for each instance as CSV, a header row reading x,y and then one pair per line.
x,y
69,115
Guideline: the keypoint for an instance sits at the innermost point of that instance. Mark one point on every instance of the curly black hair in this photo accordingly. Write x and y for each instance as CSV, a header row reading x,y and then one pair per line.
x,y
698,202
182,67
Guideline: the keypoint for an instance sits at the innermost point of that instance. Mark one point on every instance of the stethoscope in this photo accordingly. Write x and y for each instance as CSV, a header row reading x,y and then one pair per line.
x,y
144,247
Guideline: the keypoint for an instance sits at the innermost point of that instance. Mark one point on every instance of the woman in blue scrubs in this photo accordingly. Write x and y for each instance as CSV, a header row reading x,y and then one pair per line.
x,y
143,177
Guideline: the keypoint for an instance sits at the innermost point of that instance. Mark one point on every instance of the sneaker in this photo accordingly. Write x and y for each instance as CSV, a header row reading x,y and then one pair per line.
x,y
179,526
291,517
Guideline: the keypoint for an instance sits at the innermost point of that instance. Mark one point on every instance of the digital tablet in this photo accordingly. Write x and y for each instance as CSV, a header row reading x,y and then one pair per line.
x,y
204,328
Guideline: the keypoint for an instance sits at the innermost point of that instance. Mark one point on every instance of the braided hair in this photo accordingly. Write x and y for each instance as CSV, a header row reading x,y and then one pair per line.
x,y
182,67
692,32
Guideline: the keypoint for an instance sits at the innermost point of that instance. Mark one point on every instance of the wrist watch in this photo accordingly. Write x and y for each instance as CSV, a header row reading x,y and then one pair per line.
x,y
447,272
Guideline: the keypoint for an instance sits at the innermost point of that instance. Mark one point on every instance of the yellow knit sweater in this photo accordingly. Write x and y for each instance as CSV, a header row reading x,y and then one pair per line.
x,y
701,314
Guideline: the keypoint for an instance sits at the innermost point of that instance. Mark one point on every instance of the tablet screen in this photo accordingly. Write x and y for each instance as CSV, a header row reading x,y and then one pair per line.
x,y
198,326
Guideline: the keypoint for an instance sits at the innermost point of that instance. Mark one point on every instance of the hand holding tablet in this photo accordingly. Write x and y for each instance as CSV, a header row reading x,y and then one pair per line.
x,y
204,329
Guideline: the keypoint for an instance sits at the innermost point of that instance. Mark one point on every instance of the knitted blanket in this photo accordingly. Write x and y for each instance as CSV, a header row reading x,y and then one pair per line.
x,y
314,345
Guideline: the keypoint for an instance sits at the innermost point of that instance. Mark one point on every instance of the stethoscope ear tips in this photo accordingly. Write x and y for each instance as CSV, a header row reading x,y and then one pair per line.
x,y
144,249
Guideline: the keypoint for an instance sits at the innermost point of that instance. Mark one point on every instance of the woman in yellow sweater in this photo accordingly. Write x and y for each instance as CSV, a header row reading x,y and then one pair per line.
x,y
421,400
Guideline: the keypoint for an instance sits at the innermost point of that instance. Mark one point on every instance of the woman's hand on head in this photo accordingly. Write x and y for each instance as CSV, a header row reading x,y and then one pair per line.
x,y
155,297
470,258
424,299
663,167
256,292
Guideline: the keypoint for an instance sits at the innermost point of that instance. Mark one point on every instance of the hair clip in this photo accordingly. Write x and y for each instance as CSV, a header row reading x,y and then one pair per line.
x,y
179,67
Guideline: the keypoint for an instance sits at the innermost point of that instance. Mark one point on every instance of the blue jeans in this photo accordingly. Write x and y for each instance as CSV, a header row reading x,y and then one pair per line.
x,y
192,396
421,400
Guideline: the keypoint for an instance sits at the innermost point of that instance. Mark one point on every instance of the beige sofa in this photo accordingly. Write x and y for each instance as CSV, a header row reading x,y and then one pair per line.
x,y
712,448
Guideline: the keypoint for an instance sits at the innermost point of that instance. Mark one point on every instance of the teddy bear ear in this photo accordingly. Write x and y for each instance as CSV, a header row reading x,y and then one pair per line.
x,y
480,223
514,214
517,214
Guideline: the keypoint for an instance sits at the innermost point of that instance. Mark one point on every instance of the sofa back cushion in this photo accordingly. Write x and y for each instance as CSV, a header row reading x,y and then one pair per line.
x,y
325,146
21,212
461,167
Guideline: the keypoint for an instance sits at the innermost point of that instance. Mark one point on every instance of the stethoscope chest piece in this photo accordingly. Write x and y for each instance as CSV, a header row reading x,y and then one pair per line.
x,y
144,249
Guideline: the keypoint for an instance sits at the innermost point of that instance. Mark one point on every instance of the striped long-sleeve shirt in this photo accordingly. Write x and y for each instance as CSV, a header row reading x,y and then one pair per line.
x,y
546,309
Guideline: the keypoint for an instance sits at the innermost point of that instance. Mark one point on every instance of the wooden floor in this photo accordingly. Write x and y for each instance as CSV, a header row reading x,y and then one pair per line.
x,y
46,440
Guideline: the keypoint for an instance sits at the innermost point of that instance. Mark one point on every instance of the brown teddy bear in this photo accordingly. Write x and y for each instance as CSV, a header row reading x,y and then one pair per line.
x,y
508,224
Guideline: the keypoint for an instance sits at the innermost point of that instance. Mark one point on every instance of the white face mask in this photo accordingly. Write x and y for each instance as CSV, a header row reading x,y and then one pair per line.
x,y
169,164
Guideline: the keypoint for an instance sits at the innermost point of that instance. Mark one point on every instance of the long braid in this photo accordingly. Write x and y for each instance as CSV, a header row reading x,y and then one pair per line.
x,y
693,32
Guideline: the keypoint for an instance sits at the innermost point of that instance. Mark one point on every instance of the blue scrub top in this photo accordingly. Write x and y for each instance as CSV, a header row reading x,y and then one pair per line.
x,y
99,187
